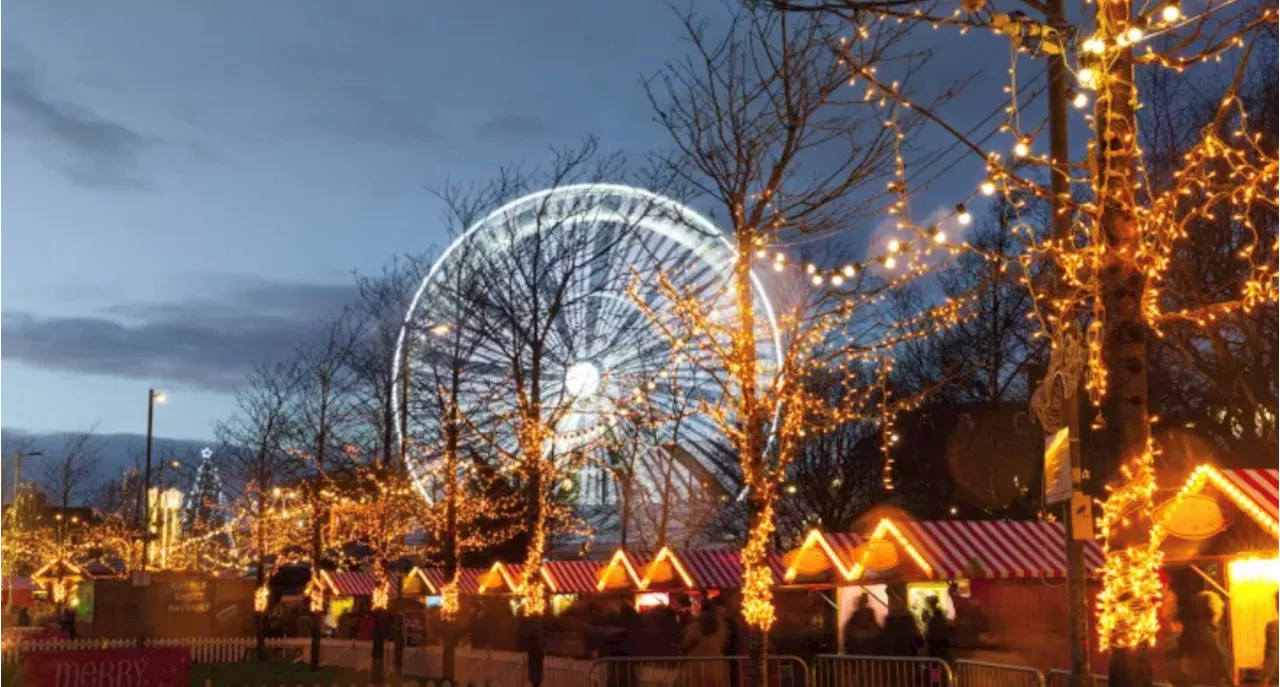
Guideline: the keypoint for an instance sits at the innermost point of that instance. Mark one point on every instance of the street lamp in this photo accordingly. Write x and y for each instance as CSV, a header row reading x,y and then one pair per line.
x,y
153,397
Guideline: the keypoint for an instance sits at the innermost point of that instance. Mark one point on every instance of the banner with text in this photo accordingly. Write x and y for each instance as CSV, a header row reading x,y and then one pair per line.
x,y
168,667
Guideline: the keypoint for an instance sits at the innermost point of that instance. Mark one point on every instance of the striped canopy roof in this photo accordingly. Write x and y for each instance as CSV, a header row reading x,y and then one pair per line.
x,y
348,583
573,577
1261,490
994,548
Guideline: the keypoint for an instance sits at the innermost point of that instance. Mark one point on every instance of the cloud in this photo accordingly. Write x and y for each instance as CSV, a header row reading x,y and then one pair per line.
x,y
88,148
208,343
513,127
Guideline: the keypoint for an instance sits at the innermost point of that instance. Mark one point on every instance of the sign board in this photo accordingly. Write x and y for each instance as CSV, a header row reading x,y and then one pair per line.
x,y
189,596
1193,516
1057,467
169,667
1081,517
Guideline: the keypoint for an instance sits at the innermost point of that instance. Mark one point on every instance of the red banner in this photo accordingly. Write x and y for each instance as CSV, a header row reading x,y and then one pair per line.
x,y
169,667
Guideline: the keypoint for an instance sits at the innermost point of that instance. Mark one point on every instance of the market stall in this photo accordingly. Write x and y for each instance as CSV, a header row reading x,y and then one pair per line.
x,y
1220,533
1002,584
348,596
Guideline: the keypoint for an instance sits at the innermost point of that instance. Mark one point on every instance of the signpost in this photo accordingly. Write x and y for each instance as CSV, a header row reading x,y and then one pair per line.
x,y
169,667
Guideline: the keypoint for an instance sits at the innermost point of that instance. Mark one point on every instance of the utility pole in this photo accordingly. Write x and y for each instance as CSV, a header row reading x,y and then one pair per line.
x,y
1068,400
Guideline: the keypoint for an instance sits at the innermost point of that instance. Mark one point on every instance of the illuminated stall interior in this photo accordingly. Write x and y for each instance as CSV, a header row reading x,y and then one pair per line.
x,y
346,591
1009,574
1221,535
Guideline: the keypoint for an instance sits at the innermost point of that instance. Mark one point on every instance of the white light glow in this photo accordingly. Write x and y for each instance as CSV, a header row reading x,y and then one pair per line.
x,y
582,379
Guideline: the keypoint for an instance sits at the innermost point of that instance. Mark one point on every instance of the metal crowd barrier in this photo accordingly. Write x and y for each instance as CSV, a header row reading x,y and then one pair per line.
x,y
832,670
1062,678
982,674
694,671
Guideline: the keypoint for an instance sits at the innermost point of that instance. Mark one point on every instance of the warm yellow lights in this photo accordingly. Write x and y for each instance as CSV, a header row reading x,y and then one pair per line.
x,y
1021,149
886,528
988,188
1207,474
1093,45
1254,570
666,557
1170,13
261,597
1080,101
618,572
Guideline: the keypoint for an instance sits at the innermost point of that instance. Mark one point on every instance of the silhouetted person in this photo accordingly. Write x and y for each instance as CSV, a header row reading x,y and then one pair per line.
x,y
900,636
1271,650
861,631
937,633
24,617
1204,660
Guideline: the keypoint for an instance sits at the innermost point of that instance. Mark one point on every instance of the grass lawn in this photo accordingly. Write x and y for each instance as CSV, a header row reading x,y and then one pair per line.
x,y
273,672
247,674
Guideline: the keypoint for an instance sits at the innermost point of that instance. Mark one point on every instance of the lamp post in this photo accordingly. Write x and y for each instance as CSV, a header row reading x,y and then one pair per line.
x,y
153,397
17,494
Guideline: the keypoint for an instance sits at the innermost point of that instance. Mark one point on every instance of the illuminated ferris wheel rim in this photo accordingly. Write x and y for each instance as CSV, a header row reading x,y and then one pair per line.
x,y
686,227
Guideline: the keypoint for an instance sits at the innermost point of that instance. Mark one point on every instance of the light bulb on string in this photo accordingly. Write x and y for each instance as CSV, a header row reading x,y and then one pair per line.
x,y
962,215
1081,101
1171,13
988,187
1021,149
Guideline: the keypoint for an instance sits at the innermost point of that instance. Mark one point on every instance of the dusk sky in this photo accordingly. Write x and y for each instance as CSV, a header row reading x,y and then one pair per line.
x,y
188,186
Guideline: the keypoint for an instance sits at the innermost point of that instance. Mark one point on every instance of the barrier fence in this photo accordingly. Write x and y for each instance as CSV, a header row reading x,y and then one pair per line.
x,y
983,674
832,670
679,671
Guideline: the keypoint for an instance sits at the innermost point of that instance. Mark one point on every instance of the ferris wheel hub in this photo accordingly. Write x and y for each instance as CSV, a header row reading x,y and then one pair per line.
x,y
582,379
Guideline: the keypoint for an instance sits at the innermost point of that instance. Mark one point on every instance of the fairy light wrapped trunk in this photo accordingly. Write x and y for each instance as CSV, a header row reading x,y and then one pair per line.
x,y
1129,600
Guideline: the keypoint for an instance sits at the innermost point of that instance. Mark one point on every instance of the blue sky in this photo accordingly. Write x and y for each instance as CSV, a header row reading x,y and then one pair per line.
x,y
189,185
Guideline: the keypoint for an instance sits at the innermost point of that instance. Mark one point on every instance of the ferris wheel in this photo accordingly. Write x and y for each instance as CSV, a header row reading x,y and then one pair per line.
x,y
576,269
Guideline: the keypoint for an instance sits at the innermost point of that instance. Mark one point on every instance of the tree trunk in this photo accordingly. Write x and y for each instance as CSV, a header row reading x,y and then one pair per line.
x,y
378,667
1123,285
260,617
317,617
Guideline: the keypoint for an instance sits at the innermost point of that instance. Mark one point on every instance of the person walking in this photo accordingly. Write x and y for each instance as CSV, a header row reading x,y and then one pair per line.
x,y
706,638
1202,657
937,633
861,630
900,635
1271,650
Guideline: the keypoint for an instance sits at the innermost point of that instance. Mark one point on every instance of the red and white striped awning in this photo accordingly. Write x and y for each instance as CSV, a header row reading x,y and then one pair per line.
x,y
19,584
995,548
1261,487
572,577
350,583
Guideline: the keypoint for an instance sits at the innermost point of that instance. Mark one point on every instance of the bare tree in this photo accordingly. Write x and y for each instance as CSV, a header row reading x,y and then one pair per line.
x,y
68,477
765,129
257,466
324,414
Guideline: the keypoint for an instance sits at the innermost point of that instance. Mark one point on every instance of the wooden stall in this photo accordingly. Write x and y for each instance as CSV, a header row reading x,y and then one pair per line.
x,y
1221,538
1002,584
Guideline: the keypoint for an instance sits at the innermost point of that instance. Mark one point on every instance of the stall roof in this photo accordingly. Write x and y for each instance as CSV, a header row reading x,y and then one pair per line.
x,y
995,548
632,565
19,584
1256,492
572,577
349,583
